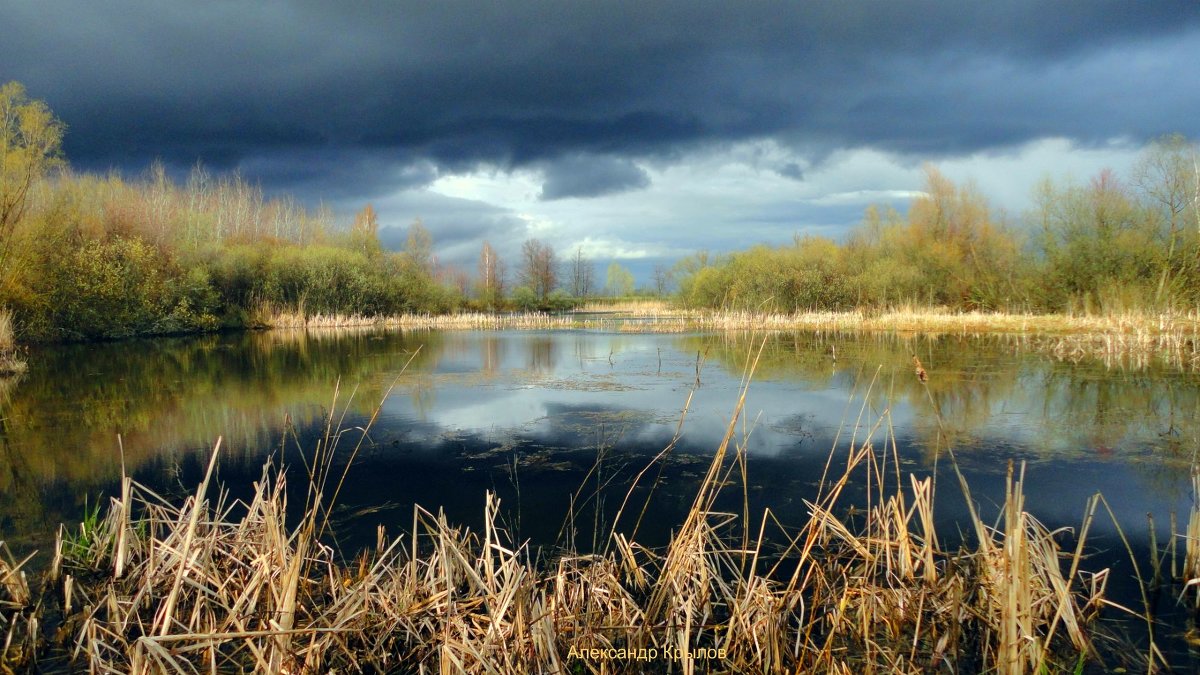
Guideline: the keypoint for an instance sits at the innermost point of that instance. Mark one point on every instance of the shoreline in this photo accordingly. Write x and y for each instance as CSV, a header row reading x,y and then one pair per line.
x,y
1173,337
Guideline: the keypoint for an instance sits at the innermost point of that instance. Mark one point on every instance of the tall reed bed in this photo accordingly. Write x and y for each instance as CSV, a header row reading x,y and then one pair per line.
x,y
11,361
933,320
288,318
1118,339
216,585
640,306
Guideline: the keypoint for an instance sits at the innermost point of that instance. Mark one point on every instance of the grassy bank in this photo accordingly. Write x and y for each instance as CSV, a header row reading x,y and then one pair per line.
x,y
149,585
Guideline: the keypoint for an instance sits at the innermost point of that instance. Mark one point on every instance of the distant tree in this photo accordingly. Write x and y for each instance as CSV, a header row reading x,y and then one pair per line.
x,y
687,269
1166,177
364,233
30,145
959,249
618,280
538,269
419,247
490,281
663,279
456,278
582,275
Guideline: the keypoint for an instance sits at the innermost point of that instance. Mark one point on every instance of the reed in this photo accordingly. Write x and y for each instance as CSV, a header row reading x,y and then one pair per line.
x,y
19,620
297,319
640,307
212,585
1119,339
11,360
933,320
1190,575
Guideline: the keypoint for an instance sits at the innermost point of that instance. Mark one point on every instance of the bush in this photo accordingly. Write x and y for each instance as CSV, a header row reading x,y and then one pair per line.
x,y
524,299
112,289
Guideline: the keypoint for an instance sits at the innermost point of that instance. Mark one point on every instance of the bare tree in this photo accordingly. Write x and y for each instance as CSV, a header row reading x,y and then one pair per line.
x,y
583,275
419,247
490,283
539,270
1164,176
663,278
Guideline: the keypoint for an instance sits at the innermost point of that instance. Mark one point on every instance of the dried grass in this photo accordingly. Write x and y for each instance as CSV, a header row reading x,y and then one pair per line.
x,y
1119,339
1190,575
19,621
11,360
297,319
642,307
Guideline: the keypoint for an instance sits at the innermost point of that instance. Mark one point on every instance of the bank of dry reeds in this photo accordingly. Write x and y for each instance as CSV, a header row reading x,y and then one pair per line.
x,y
292,319
637,306
933,320
217,585
1119,339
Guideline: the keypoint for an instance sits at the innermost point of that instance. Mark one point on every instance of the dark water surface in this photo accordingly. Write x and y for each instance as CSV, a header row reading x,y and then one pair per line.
x,y
542,418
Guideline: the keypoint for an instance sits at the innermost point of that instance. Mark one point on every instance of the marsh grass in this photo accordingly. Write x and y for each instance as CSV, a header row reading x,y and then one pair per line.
x,y
216,584
1124,340
11,360
297,319
19,620
638,306
935,320
1190,574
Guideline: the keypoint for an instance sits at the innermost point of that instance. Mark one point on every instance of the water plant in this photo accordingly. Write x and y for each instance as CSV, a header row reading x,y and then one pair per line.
x,y
11,360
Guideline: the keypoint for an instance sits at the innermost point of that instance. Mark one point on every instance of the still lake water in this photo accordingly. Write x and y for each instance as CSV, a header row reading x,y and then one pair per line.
x,y
543,417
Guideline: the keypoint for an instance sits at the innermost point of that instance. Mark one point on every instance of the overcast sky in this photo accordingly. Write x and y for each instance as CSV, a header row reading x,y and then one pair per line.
x,y
639,131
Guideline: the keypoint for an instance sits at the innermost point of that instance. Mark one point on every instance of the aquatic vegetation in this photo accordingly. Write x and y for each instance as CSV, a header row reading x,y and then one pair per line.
x,y
287,318
1135,338
11,360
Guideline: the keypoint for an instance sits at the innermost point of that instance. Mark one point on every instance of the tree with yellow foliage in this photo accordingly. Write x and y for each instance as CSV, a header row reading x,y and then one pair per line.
x,y
30,147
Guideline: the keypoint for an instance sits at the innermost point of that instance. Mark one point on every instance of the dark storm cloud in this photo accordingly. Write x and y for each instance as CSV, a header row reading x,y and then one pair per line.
x,y
791,170
591,176
427,87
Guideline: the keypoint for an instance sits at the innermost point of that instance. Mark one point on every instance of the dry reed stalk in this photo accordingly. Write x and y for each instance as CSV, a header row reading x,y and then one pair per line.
x,y
7,334
19,621
1191,557
11,360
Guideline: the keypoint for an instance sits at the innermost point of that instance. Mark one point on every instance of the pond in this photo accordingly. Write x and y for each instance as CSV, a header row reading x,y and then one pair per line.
x,y
558,423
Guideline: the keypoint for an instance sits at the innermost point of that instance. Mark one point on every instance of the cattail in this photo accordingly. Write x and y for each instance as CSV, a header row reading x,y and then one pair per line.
x,y
921,374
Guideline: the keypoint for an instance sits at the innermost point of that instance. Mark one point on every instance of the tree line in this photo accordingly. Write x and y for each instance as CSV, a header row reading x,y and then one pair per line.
x,y
1110,244
86,256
